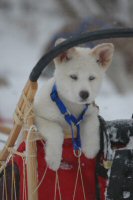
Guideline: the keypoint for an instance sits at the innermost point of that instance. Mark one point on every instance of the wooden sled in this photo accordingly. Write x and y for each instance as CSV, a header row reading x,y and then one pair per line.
x,y
24,117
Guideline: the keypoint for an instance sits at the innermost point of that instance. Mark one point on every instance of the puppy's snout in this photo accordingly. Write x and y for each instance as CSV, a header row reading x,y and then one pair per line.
x,y
84,94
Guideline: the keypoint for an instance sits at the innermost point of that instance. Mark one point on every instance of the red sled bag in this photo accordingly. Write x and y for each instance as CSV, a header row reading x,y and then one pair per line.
x,y
76,178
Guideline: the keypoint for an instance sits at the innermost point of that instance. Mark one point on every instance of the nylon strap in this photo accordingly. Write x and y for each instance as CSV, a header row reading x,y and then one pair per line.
x,y
69,118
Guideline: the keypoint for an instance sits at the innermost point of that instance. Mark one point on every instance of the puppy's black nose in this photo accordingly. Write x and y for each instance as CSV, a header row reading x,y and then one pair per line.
x,y
84,94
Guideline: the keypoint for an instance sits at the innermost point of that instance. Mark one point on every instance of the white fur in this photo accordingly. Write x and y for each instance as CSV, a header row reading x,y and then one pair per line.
x,y
50,122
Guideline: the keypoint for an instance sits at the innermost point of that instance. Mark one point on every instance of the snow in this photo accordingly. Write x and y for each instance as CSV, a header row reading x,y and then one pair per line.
x,y
23,37
130,144
21,45
113,105
19,52
126,195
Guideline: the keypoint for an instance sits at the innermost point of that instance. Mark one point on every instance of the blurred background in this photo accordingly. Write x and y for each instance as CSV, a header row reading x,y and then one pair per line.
x,y
29,28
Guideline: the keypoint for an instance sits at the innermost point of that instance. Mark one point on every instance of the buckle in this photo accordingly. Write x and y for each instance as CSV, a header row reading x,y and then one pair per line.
x,y
107,164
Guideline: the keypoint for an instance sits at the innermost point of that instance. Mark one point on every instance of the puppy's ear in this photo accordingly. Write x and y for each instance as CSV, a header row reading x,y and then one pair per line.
x,y
103,54
64,56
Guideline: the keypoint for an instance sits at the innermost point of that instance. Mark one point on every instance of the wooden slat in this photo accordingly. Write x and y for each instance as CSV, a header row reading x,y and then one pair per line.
x,y
4,129
32,174
31,148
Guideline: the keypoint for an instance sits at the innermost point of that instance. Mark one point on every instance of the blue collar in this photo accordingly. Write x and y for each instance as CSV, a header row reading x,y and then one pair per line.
x,y
70,119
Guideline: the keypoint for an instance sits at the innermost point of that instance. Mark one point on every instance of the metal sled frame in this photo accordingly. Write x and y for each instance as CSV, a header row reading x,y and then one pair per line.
x,y
24,113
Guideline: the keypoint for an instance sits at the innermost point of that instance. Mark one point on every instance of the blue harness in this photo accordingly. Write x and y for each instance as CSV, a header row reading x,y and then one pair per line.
x,y
70,119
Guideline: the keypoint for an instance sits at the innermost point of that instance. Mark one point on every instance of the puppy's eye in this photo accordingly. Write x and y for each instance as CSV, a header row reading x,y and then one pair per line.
x,y
91,78
74,77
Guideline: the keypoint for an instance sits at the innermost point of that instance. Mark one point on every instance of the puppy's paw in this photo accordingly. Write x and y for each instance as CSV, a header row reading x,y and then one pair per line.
x,y
90,151
53,162
53,158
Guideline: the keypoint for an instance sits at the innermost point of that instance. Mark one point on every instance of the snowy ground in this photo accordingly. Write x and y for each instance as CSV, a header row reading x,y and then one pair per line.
x,y
20,50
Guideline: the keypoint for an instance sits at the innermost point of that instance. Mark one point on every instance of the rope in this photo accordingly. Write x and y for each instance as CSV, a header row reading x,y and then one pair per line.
x,y
15,152
5,184
19,116
29,108
13,190
55,186
3,164
59,186
13,186
24,181
74,193
36,137
12,181
22,155
79,171
41,180
82,179
3,191
32,130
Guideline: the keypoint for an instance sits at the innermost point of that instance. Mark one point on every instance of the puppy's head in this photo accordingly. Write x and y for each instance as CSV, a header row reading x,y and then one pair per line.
x,y
79,71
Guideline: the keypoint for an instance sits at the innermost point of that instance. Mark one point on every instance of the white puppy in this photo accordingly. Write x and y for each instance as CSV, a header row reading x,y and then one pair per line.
x,y
78,77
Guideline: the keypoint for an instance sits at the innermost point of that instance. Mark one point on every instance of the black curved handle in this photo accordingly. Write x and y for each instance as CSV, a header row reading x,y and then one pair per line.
x,y
83,38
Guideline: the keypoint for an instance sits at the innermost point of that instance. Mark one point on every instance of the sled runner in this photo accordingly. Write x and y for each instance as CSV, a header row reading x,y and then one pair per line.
x,y
24,174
